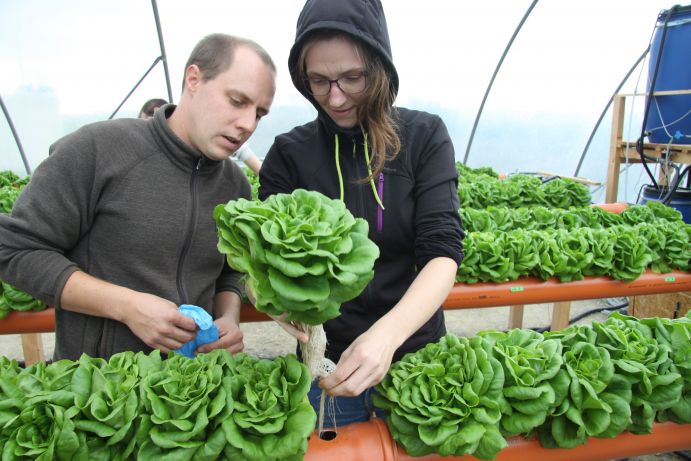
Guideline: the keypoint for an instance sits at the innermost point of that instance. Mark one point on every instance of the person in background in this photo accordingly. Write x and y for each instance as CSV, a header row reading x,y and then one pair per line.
x,y
116,228
150,107
392,166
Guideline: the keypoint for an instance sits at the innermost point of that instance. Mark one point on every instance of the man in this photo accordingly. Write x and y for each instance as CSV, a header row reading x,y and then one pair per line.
x,y
116,229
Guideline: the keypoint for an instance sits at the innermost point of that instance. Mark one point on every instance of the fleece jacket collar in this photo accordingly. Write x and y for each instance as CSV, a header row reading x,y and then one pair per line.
x,y
180,154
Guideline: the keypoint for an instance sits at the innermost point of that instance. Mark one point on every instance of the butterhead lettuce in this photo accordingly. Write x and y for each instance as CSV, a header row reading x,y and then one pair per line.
x,y
303,253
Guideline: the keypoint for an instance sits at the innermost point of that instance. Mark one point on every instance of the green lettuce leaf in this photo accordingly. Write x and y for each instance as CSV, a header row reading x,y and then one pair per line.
x,y
445,399
535,383
303,253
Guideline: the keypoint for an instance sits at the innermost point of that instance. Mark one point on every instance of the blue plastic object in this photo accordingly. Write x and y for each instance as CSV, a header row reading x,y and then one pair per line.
x,y
674,73
207,330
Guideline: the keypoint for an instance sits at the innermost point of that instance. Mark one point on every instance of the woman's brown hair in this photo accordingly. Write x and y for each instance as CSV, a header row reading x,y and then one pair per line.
x,y
375,110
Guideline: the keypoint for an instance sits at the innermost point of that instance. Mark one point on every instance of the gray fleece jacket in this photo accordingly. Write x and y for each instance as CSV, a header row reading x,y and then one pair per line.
x,y
128,202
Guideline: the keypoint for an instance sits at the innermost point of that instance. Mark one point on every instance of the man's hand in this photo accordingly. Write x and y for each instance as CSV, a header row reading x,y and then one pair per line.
x,y
154,320
226,312
229,337
158,323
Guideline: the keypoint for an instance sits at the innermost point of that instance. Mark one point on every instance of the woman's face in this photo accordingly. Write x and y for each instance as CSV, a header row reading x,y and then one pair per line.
x,y
336,78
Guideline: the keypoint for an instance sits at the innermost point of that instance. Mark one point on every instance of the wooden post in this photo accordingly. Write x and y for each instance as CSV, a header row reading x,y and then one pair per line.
x,y
32,345
615,139
516,316
560,315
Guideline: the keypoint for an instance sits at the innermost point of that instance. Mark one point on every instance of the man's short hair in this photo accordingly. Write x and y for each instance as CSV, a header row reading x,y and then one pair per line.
x,y
214,54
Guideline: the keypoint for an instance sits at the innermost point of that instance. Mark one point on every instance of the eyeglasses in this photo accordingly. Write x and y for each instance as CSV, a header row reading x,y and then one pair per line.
x,y
349,84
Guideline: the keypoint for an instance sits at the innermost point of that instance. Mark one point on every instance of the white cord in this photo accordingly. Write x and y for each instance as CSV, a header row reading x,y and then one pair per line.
x,y
633,102
664,125
628,133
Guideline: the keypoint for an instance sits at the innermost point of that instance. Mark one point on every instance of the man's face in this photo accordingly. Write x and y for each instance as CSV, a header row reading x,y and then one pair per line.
x,y
225,111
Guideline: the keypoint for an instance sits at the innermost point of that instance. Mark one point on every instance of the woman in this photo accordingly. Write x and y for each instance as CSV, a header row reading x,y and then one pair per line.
x,y
393,167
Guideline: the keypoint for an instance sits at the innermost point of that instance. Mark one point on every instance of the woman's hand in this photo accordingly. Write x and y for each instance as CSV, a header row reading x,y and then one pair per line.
x,y
290,327
364,364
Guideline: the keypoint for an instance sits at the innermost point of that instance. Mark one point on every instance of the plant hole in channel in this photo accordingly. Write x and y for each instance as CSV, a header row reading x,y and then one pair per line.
x,y
327,435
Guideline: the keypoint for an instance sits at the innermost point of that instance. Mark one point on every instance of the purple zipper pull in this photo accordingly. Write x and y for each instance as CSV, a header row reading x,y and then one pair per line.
x,y
380,211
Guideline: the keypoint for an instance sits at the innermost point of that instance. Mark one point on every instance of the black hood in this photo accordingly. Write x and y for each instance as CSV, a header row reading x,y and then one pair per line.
x,y
364,20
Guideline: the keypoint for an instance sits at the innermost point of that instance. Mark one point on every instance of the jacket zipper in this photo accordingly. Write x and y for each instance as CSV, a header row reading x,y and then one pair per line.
x,y
380,211
358,173
189,232
362,211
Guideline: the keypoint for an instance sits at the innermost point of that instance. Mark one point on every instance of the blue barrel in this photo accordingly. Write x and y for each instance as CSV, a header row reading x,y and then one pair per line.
x,y
681,199
674,73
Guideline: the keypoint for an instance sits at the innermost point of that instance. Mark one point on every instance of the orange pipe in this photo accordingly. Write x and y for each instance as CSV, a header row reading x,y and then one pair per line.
x,y
532,290
249,314
371,441
617,207
44,321
28,322
526,290
462,296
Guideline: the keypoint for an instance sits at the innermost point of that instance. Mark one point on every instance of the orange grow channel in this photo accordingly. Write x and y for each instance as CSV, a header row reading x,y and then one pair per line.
x,y
371,441
44,321
526,290
28,322
616,207
532,290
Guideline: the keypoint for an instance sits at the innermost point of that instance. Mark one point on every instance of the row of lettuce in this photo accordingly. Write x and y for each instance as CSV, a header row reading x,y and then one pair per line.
x,y
483,187
467,395
139,406
453,397
12,299
524,226
518,226
10,186
503,244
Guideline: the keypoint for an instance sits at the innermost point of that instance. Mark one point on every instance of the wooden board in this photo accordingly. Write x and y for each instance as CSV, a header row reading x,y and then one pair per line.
x,y
660,305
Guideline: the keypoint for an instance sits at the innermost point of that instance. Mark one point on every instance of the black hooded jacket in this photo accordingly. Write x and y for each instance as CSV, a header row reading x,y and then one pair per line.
x,y
420,220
